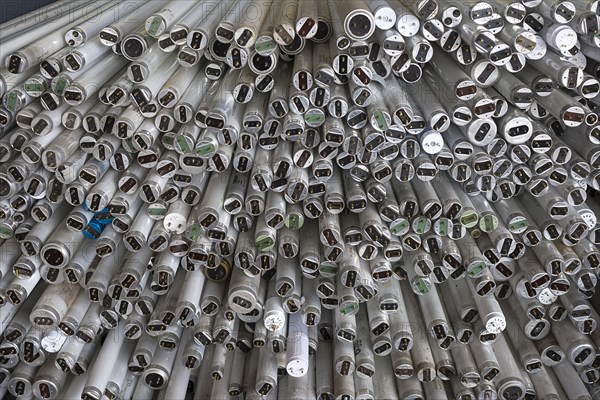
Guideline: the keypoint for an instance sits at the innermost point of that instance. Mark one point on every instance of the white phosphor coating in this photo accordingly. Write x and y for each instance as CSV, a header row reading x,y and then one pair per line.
x,y
297,347
175,223
408,24
589,218
562,37
539,50
432,141
495,323
274,318
385,18
546,296
176,219
53,340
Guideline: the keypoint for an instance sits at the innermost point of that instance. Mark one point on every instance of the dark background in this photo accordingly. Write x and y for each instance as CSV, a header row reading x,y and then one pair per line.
x,y
10,9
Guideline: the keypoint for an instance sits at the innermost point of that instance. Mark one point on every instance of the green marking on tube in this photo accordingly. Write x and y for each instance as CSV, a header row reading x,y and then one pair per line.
x,y
11,102
264,46
194,232
421,286
204,150
314,118
380,119
264,242
400,227
518,225
34,87
477,269
348,308
61,84
421,223
153,29
183,145
443,226
468,219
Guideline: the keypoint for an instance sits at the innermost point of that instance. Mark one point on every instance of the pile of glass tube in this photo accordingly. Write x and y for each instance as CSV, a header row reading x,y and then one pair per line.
x,y
300,199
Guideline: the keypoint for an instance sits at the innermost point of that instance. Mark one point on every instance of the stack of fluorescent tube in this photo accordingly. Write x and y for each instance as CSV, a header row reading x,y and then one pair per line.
x,y
300,199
